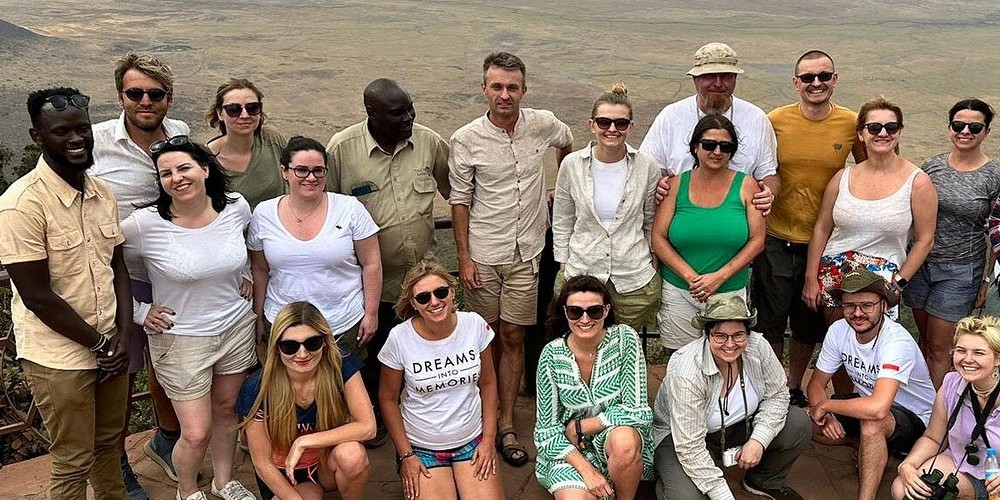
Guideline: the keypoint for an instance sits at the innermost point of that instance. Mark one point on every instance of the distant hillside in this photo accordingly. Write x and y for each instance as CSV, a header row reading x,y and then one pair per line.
x,y
13,34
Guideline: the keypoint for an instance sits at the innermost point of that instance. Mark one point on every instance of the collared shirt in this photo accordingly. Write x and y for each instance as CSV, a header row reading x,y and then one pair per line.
x,y
43,217
500,178
397,188
621,252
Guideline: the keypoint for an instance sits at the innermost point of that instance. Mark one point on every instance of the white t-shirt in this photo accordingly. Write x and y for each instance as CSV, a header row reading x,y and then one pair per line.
x,y
440,403
324,270
195,272
668,137
892,354
735,405
609,186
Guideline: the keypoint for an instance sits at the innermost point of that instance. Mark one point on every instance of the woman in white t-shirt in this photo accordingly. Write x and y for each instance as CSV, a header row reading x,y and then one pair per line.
x,y
315,246
438,392
200,324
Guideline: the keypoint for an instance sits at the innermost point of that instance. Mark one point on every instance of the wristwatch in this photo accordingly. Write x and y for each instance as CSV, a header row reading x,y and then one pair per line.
x,y
101,348
902,282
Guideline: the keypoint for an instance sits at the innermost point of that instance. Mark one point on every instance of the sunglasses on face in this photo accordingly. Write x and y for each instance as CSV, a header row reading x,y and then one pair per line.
x,y
574,313
808,78
441,293
710,145
177,140
291,347
875,128
958,126
235,109
135,94
303,172
61,102
619,123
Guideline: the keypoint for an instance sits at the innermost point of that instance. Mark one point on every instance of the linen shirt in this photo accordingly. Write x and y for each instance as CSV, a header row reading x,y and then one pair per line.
x,y
500,178
397,188
43,217
580,240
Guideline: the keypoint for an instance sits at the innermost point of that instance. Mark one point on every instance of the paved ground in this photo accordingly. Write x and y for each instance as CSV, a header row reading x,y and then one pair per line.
x,y
822,473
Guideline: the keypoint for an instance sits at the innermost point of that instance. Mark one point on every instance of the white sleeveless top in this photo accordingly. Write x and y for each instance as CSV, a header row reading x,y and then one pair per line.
x,y
875,227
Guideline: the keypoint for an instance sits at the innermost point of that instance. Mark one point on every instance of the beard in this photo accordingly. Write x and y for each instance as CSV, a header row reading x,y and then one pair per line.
x,y
716,104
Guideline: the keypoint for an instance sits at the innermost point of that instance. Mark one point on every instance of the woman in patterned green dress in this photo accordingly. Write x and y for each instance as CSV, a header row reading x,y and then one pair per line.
x,y
593,426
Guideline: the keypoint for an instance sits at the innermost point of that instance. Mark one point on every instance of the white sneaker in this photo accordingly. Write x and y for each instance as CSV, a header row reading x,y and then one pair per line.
x,y
198,495
232,490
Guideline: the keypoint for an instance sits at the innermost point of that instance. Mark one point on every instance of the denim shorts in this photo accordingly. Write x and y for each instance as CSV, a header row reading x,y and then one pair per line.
x,y
444,458
978,486
946,290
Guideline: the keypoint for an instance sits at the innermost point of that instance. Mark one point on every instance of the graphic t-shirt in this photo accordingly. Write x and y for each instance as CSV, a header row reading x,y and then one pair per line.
x,y
440,403
892,354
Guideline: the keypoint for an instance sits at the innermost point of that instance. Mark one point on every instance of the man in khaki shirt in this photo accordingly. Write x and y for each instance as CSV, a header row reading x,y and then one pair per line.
x,y
72,305
500,215
393,166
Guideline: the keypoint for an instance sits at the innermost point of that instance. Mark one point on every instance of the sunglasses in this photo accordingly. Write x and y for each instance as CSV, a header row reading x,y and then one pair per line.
x,y
61,102
177,140
974,127
135,94
235,109
875,128
808,78
303,172
619,123
710,145
574,313
291,347
441,292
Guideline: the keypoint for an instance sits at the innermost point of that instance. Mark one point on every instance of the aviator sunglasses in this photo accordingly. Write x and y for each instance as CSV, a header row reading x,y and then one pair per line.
x,y
312,344
958,126
875,128
61,102
177,140
235,109
808,78
710,145
605,123
441,292
135,94
574,313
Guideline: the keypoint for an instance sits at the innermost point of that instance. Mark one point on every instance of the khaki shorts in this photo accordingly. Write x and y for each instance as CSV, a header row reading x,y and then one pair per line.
x,y
508,292
677,307
185,365
636,308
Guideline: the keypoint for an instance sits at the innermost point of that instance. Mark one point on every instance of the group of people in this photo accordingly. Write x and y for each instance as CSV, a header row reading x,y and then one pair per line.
x,y
288,290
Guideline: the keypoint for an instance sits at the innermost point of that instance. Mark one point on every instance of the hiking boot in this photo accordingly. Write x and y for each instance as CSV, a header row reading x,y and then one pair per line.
x,y
159,449
798,398
783,493
132,486
232,490
381,436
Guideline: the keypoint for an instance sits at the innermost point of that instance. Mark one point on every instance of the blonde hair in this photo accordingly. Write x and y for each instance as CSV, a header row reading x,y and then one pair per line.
x,y
276,399
618,94
147,65
987,327
404,307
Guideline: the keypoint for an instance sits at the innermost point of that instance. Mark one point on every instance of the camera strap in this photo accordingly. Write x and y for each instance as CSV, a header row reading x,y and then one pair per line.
x,y
981,413
724,410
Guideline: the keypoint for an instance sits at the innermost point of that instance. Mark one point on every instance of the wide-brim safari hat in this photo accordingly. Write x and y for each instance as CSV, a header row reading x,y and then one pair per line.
x,y
732,308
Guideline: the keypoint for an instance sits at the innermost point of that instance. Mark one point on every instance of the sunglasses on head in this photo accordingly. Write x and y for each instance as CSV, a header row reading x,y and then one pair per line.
x,y
135,94
875,128
574,313
440,292
177,140
61,102
604,123
958,126
235,109
710,145
312,344
808,78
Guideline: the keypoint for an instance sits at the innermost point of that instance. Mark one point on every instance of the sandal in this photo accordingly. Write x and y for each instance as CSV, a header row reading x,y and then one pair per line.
x,y
515,453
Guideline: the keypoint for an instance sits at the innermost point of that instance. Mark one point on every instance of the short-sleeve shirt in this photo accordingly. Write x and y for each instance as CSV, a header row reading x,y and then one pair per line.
x,y
43,217
964,202
441,405
262,179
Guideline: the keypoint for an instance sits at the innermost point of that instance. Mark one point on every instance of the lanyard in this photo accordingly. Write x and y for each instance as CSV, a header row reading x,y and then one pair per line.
x,y
723,411
981,413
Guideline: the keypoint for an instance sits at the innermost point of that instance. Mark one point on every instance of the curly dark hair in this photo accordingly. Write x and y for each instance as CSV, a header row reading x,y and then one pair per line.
x,y
216,185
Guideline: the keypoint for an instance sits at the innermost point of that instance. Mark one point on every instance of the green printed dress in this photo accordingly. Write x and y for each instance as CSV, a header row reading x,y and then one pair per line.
x,y
616,396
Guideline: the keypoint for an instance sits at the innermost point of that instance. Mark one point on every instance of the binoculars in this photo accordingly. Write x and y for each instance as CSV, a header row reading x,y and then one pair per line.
x,y
941,490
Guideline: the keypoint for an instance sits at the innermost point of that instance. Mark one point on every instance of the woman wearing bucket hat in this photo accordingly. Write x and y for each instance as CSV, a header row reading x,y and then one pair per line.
x,y
724,398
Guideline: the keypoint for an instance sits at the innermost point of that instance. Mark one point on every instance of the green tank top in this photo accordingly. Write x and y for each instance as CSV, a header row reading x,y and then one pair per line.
x,y
708,238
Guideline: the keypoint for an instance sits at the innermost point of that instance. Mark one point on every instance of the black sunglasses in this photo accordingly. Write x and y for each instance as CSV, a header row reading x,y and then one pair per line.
x,y
312,344
808,78
303,172
135,94
177,140
875,128
975,127
440,292
574,313
605,123
235,109
710,145
61,102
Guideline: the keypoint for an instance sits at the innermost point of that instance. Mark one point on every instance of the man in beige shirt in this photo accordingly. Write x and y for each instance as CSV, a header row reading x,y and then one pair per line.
x,y
72,305
500,215
394,167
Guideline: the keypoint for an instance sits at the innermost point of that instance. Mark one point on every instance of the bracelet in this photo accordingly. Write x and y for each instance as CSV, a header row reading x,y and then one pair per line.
x,y
404,456
101,344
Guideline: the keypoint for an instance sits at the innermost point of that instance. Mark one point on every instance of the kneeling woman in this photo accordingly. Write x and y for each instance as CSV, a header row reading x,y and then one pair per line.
x,y
306,412
726,392
593,423
444,423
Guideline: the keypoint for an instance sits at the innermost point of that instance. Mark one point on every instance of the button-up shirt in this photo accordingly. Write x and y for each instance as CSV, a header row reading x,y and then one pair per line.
x,y
500,178
397,188
43,217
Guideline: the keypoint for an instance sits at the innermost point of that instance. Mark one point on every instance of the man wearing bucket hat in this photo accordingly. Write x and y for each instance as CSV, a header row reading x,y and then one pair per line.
x,y
714,75
702,413
894,394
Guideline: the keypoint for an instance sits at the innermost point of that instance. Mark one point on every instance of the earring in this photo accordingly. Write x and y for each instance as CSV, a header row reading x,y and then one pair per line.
x,y
996,374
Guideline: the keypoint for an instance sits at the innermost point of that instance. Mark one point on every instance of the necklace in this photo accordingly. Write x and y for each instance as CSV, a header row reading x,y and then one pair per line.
x,y
589,354
298,220
985,393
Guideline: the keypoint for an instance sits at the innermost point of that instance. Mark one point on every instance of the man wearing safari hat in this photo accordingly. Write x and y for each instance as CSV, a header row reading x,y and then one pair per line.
x,y
894,394
714,73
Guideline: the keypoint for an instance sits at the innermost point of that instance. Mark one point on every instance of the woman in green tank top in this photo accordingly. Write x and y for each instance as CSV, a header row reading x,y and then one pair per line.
x,y
703,233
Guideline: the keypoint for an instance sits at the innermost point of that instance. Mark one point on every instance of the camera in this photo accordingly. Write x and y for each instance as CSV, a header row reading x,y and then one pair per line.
x,y
946,490
729,456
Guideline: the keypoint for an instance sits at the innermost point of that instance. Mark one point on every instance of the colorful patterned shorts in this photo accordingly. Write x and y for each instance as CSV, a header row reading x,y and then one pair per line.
x,y
444,458
832,269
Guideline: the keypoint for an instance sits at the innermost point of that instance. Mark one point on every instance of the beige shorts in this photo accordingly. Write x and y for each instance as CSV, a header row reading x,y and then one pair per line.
x,y
508,292
677,307
185,365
